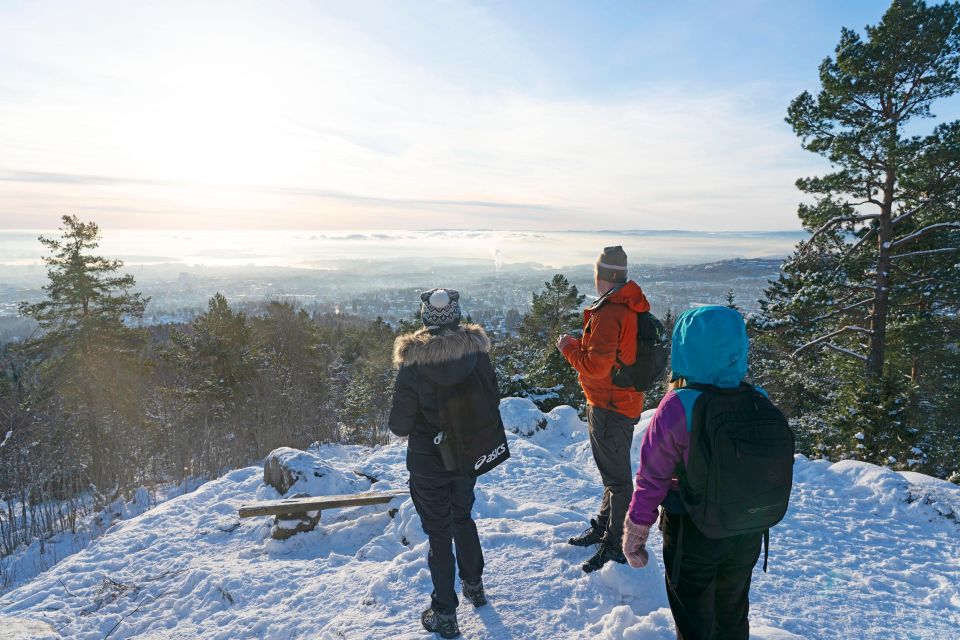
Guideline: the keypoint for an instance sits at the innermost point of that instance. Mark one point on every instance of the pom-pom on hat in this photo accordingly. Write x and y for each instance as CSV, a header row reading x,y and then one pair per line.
x,y
440,308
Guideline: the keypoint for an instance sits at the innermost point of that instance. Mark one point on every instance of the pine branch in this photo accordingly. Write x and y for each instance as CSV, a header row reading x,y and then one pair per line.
x,y
903,216
826,337
849,307
923,253
832,222
869,234
848,352
925,231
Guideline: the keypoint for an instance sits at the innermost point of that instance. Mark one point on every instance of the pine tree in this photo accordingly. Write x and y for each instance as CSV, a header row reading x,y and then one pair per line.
x,y
732,300
888,211
216,361
653,396
89,361
851,331
84,295
539,370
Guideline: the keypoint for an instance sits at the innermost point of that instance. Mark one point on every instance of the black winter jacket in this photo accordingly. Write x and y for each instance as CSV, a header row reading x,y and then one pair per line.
x,y
428,360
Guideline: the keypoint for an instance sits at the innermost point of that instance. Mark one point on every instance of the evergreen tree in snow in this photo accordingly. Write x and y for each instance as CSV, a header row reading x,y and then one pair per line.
x,y
732,300
530,365
860,306
89,366
216,363
653,396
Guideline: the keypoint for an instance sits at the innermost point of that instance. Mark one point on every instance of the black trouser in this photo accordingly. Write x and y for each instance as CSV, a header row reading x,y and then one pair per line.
x,y
711,598
611,435
444,504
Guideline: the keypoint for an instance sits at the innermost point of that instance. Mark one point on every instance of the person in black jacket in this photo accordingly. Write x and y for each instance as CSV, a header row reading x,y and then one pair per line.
x,y
430,360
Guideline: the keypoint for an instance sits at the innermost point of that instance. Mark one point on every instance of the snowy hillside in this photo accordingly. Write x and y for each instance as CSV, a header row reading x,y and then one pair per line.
x,y
864,553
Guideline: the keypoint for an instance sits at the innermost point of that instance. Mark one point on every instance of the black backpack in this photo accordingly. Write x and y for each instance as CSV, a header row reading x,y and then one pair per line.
x,y
653,354
473,440
739,471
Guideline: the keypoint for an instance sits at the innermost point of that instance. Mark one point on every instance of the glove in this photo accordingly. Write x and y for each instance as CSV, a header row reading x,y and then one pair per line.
x,y
635,543
565,341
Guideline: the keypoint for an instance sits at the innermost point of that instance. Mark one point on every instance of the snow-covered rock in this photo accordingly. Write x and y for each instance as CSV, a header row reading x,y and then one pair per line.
x,y
292,472
295,474
864,552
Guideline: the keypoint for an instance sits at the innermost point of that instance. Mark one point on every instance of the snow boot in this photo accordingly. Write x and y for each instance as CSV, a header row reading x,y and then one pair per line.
x,y
443,623
593,535
473,591
603,555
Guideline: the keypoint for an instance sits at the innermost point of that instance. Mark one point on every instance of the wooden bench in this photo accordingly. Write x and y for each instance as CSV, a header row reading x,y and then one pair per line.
x,y
286,509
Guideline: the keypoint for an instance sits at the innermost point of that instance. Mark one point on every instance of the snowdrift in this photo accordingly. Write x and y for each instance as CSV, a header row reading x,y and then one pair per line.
x,y
864,552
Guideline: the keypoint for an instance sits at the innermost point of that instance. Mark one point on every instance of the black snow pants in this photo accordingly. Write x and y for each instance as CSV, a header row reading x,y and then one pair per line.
x,y
611,435
710,600
444,505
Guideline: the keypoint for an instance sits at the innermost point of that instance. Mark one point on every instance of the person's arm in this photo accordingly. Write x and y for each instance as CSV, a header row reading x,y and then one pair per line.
x,y
406,403
599,358
664,446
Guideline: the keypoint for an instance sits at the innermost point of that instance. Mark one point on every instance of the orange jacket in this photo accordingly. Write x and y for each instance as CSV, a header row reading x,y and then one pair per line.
x,y
609,335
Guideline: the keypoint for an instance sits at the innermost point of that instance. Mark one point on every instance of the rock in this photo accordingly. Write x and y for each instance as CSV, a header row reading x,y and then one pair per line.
x,y
304,474
290,524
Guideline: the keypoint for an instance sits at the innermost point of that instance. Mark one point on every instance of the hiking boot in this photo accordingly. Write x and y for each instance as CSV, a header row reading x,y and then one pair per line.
x,y
593,535
603,555
443,623
473,591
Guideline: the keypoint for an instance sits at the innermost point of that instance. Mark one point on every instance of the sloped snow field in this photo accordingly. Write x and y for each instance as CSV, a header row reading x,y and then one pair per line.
x,y
863,553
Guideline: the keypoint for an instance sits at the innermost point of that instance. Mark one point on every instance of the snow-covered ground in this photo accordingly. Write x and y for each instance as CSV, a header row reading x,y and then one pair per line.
x,y
27,562
863,553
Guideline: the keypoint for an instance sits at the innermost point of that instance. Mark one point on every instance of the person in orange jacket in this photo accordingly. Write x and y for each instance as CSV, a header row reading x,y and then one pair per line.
x,y
609,341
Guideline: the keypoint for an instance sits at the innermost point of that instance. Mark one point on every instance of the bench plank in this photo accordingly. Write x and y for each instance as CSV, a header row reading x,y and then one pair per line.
x,y
318,503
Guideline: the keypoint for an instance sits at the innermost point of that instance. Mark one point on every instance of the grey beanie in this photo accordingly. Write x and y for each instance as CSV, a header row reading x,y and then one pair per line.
x,y
612,265
440,308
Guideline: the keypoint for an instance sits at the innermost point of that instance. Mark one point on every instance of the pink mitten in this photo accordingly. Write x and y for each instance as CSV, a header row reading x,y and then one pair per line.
x,y
635,543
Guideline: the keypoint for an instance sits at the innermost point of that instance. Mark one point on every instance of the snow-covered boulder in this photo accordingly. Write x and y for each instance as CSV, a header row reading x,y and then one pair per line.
x,y
304,472
300,474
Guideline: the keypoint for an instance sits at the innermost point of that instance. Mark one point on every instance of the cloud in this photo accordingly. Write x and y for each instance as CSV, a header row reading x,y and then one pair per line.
x,y
315,116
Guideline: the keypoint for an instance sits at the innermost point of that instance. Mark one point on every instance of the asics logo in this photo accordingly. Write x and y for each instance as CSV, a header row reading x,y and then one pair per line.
x,y
490,457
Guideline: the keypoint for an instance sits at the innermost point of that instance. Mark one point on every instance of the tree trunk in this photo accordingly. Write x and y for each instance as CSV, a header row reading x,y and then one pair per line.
x,y
881,306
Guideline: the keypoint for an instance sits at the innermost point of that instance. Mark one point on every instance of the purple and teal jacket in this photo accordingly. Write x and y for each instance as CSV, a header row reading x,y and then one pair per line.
x,y
665,444
709,346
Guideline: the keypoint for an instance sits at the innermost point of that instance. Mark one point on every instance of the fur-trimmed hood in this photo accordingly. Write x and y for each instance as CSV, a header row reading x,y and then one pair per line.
x,y
425,347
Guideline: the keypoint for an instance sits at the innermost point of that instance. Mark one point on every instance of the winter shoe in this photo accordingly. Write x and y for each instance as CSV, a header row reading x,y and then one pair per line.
x,y
473,591
443,623
593,535
603,555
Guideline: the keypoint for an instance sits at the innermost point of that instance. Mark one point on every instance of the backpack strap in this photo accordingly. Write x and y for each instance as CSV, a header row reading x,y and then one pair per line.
x,y
688,398
766,548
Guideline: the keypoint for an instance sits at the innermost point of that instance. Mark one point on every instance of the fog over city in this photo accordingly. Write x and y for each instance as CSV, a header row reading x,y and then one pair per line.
x,y
374,274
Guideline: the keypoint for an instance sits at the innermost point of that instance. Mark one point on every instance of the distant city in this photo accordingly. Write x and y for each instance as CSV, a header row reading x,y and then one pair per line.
x,y
493,296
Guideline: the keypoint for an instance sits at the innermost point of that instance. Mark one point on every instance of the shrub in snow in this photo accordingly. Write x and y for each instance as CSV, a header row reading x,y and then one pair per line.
x,y
521,416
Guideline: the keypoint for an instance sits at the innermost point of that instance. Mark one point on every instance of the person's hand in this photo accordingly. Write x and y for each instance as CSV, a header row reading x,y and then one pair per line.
x,y
635,543
565,341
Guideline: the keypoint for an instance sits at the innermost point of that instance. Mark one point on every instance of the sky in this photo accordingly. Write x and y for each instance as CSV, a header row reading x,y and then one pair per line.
x,y
409,115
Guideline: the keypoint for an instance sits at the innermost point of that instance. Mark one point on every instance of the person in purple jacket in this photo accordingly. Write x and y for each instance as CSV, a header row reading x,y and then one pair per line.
x,y
709,598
